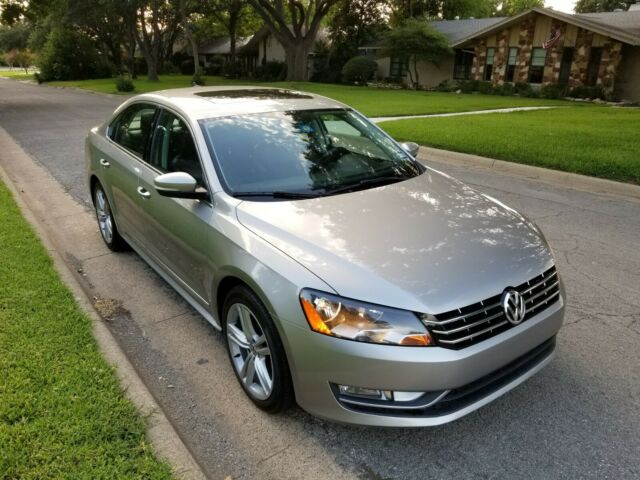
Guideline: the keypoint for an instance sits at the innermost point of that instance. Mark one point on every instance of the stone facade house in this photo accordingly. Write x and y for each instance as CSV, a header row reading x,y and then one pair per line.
x,y
541,47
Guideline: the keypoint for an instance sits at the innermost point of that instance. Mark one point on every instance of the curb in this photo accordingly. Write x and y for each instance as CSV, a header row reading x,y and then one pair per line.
x,y
599,186
160,432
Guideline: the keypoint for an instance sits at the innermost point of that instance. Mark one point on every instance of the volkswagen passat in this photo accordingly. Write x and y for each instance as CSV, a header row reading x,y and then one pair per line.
x,y
344,274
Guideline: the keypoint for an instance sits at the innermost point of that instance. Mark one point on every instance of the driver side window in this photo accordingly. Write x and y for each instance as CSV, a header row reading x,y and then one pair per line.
x,y
173,148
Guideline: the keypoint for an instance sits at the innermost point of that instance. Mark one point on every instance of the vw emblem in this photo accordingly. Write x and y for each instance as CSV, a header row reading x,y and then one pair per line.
x,y
514,306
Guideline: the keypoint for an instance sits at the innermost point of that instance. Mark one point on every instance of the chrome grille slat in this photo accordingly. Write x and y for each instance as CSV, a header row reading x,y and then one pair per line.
x,y
537,295
454,329
541,282
469,325
473,335
546,299
466,315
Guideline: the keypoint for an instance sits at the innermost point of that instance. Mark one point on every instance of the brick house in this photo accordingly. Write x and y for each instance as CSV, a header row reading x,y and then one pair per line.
x,y
599,49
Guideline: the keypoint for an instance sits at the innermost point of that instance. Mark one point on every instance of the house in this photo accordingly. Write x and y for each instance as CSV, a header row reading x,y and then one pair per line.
x,y
540,47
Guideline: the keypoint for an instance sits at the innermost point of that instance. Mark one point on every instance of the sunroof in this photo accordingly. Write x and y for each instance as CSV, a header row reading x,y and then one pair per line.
x,y
255,93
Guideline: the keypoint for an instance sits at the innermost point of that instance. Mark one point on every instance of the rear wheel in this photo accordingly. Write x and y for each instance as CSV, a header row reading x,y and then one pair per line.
x,y
256,351
106,223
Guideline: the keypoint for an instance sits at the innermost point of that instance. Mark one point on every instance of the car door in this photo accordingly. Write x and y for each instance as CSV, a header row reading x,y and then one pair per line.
x,y
130,135
176,228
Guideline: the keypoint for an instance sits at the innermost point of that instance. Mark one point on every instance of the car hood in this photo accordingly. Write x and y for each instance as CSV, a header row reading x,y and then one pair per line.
x,y
429,244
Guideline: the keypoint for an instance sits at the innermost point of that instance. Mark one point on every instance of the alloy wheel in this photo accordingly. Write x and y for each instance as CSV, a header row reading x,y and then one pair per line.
x,y
250,351
103,212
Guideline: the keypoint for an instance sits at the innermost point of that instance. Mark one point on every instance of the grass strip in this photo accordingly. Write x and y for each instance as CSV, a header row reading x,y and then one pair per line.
x,y
62,411
596,141
376,102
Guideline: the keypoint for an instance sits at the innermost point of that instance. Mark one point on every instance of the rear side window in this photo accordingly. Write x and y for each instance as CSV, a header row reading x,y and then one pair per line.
x,y
132,128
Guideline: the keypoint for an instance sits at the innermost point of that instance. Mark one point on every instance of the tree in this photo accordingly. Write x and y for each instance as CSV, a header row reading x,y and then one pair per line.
x,y
352,24
592,6
445,9
416,41
237,18
514,7
23,58
154,27
298,37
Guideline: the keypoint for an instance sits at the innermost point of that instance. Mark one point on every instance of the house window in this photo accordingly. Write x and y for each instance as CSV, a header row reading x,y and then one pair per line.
x,y
399,67
594,66
565,66
488,67
511,64
536,69
463,61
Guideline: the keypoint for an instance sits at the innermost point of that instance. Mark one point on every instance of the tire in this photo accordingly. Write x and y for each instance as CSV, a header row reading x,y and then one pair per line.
x,y
256,352
106,223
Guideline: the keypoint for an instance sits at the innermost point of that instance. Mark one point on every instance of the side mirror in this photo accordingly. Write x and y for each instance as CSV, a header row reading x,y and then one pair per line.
x,y
411,148
179,185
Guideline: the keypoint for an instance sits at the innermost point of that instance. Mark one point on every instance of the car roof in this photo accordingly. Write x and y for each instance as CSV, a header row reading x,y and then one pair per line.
x,y
208,102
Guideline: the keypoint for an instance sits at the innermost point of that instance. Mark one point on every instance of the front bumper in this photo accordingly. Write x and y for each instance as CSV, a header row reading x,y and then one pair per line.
x,y
475,375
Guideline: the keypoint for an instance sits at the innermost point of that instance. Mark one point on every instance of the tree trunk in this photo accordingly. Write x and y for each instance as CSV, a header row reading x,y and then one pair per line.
x,y
415,69
296,55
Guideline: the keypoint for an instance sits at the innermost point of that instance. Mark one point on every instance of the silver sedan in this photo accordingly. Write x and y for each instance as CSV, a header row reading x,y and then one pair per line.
x,y
344,274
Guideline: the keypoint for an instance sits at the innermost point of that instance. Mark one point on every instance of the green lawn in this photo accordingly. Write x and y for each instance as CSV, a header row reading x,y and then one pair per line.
x,y
596,141
370,101
16,74
62,411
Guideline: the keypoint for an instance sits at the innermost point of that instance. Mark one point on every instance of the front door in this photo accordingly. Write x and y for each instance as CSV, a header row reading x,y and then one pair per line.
x,y
176,229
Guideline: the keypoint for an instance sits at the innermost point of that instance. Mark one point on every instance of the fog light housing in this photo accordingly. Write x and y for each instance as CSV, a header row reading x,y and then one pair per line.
x,y
378,394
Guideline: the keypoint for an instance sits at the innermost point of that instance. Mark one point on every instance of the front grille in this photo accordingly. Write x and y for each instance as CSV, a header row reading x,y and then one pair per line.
x,y
474,323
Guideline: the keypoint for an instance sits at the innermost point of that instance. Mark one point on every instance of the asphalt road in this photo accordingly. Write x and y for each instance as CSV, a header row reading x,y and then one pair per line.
x,y
578,418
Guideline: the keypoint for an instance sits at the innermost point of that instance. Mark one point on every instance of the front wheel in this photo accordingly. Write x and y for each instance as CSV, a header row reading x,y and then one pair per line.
x,y
106,223
256,351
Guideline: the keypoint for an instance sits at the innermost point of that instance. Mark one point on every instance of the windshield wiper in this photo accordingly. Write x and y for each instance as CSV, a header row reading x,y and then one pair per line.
x,y
282,195
366,183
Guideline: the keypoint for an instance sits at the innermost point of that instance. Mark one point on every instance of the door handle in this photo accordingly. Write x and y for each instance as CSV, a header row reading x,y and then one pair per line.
x,y
144,193
104,163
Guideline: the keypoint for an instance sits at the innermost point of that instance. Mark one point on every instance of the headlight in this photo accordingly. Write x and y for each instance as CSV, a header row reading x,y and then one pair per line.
x,y
362,322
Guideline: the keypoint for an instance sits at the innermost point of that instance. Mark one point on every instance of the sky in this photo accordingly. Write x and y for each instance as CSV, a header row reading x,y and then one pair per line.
x,y
561,5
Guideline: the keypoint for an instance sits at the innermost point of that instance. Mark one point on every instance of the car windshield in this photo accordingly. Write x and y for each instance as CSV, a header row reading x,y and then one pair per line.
x,y
304,154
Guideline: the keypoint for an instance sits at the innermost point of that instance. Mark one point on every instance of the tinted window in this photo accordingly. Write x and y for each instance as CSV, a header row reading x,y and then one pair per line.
x,y
132,128
173,148
303,151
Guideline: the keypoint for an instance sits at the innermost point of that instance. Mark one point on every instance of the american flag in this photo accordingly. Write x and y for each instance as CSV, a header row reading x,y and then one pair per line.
x,y
553,39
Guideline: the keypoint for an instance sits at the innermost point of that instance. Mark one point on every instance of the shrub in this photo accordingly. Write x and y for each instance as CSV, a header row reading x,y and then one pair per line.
x,y
170,68
359,69
446,86
187,67
71,55
197,79
485,88
522,88
506,89
553,91
124,84
584,91
468,86
271,71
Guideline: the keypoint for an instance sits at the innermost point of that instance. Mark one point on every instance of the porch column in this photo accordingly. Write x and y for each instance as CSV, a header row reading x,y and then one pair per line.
x,y
580,63
611,56
554,54
525,47
500,58
480,60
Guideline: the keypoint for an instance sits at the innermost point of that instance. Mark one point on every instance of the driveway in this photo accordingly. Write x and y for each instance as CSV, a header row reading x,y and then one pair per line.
x,y
578,418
